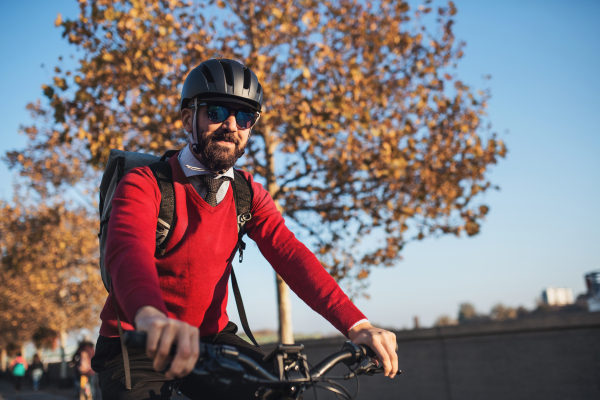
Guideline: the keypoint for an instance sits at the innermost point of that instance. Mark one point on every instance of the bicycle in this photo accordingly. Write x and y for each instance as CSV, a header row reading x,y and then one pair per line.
x,y
291,374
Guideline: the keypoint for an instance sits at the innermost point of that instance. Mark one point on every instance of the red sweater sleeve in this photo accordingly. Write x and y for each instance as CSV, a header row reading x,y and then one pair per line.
x,y
297,265
131,243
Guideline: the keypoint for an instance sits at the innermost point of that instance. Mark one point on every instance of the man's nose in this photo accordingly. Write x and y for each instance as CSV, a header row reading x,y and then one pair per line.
x,y
230,123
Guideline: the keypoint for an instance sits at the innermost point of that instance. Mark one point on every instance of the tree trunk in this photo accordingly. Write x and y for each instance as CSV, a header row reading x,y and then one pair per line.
x,y
286,332
3,360
63,361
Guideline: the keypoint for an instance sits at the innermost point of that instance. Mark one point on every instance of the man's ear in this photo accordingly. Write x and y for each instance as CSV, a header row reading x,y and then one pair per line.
x,y
187,118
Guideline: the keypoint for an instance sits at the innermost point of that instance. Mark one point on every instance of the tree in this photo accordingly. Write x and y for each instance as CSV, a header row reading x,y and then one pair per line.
x,y
444,320
49,273
522,312
502,313
44,337
467,313
367,141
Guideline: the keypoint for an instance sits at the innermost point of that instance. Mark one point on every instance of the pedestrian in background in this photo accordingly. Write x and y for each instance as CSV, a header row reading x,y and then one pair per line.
x,y
18,366
36,369
83,367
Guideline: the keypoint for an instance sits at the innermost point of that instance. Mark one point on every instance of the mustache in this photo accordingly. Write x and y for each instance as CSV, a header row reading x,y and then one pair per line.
x,y
224,136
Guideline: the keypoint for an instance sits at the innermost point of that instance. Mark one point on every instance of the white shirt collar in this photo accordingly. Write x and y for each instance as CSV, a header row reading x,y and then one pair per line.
x,y
191,166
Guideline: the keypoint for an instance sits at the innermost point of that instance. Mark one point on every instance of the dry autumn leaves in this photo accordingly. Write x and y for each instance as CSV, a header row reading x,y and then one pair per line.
x,y
49,272
367,141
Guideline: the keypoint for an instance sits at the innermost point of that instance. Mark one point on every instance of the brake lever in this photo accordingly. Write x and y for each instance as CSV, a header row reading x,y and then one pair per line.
x,y
368,367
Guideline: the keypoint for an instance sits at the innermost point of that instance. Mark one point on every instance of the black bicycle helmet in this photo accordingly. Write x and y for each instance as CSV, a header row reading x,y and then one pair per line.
x,y
222,80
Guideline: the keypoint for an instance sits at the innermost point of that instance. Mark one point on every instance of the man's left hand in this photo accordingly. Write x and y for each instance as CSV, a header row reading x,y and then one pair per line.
x,y
381,341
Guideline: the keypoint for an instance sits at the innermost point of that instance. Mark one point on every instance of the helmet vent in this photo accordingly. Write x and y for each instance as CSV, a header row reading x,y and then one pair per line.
x,y
207,74
259,89
247,78
228,73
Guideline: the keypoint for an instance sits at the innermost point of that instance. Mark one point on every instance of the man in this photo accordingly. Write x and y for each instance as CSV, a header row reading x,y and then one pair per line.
x,y
182,296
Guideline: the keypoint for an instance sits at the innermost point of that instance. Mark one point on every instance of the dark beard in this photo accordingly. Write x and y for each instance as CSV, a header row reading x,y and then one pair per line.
x,y
216,157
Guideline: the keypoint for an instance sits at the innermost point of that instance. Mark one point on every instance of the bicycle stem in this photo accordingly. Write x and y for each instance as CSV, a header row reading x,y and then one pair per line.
x,y
249,362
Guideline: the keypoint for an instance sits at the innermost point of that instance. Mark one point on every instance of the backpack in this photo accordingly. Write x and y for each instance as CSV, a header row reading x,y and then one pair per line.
x,y
18,370
119,163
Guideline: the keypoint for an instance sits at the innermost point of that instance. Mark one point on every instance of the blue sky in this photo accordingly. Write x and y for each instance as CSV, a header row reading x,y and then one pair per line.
x,y
544,225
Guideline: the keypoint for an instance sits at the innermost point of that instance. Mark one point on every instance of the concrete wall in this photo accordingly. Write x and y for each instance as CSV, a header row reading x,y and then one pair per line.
x,y
550,358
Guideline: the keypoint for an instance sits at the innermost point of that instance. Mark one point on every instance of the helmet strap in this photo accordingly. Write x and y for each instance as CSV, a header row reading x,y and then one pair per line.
x,y
195,148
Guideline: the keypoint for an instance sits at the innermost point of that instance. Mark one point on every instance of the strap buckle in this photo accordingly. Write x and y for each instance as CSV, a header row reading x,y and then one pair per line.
x,y
162,230
243,218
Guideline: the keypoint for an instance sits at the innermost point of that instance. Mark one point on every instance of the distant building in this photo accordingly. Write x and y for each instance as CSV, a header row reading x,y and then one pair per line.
x,y
592,281
557,296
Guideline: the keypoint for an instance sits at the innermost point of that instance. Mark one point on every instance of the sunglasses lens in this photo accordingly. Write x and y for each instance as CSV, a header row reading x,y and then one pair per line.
x,y
245,120
217,114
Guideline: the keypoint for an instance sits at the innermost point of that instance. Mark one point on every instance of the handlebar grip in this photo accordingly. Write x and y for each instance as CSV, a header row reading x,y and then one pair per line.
x,y
367,350
135,339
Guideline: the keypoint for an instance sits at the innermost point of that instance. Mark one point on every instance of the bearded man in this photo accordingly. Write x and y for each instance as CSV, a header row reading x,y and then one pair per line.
x,y
181,297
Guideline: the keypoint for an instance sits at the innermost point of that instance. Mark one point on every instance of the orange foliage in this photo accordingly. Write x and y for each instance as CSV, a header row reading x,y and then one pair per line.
x,y
49,272
366,131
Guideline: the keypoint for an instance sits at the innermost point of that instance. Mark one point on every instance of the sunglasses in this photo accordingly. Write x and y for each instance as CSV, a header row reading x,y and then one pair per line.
x,y
218,114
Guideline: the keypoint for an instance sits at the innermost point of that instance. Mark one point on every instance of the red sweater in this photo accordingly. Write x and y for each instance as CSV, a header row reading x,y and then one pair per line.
x,y
189,282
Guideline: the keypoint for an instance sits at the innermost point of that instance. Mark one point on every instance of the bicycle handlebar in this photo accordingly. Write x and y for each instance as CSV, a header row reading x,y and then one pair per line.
x,y
350,354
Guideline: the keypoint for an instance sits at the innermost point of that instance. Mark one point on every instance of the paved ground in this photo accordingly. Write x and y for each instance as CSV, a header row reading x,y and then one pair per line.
x,y
7,392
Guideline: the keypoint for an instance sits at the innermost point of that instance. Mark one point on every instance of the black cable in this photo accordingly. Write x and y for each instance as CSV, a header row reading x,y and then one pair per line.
x,y
353,372
342,378
335,391
311,378
357,384
340,387
328,380
349,376
333,384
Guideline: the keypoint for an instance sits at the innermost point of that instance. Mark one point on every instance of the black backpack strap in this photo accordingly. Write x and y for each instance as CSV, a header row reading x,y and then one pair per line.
x,y
120,171
241,311
164,229
168,154
166,216
242,195
123,347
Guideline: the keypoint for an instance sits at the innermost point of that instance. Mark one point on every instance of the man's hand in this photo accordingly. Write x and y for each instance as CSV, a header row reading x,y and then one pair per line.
x,y
162,333
381,341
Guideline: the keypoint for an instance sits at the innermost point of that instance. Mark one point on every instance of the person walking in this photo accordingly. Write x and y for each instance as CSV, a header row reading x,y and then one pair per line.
x,y
82,360
36,369
180,296
18,367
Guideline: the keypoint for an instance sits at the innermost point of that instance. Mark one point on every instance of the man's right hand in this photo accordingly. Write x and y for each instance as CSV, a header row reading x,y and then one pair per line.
x,y
162,333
